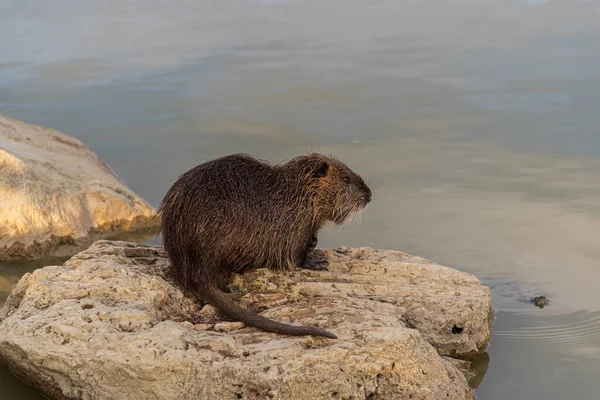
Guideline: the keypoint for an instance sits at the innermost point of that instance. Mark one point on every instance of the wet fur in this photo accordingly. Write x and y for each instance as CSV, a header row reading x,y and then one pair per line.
x,y
237,213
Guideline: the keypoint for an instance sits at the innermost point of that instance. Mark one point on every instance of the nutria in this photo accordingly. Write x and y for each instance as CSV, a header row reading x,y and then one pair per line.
x,y
236,213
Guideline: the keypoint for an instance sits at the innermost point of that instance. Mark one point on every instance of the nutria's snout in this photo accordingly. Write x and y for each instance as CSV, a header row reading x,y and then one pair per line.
x,y
367,192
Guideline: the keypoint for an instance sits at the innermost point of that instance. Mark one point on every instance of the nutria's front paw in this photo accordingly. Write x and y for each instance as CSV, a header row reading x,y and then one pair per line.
x,y
315,265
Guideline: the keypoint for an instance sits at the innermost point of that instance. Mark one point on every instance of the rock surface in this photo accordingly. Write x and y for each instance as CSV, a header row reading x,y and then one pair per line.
x,y
110,325
56,195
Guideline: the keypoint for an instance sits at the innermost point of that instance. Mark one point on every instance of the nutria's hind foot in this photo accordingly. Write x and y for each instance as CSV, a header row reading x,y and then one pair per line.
x,y
315,265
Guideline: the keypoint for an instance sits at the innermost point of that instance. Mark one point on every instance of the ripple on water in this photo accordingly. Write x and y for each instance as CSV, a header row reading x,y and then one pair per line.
x,y
576,333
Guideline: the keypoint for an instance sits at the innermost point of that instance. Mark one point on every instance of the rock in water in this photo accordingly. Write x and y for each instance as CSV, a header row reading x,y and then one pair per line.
x,y
540,301
55,194
108,324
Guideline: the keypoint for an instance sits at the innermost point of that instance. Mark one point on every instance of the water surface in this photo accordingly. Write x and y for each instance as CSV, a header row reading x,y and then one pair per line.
x,y
474,122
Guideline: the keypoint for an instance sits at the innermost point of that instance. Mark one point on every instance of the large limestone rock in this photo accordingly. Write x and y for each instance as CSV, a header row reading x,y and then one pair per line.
x,y
108,324
56,195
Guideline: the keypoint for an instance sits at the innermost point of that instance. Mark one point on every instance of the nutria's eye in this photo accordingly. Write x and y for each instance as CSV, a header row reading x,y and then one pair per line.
x,y
322,170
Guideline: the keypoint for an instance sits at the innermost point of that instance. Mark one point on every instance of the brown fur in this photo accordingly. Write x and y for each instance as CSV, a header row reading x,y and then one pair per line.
x,y
236,213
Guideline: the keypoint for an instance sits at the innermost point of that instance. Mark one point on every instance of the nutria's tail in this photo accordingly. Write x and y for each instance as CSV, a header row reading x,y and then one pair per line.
x,y
217,299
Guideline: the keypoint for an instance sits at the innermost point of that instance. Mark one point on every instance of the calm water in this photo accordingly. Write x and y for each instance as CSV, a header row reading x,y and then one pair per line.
x,y
475,122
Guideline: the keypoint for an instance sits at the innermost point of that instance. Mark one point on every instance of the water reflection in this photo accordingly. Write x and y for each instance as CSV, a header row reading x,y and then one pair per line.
x,y
12,388
477,370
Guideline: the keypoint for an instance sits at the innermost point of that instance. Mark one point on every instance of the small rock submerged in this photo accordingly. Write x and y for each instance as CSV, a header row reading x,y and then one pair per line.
x,y
109,324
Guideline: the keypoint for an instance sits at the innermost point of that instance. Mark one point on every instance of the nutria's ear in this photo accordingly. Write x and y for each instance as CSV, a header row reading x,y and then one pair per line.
x,y
321,169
